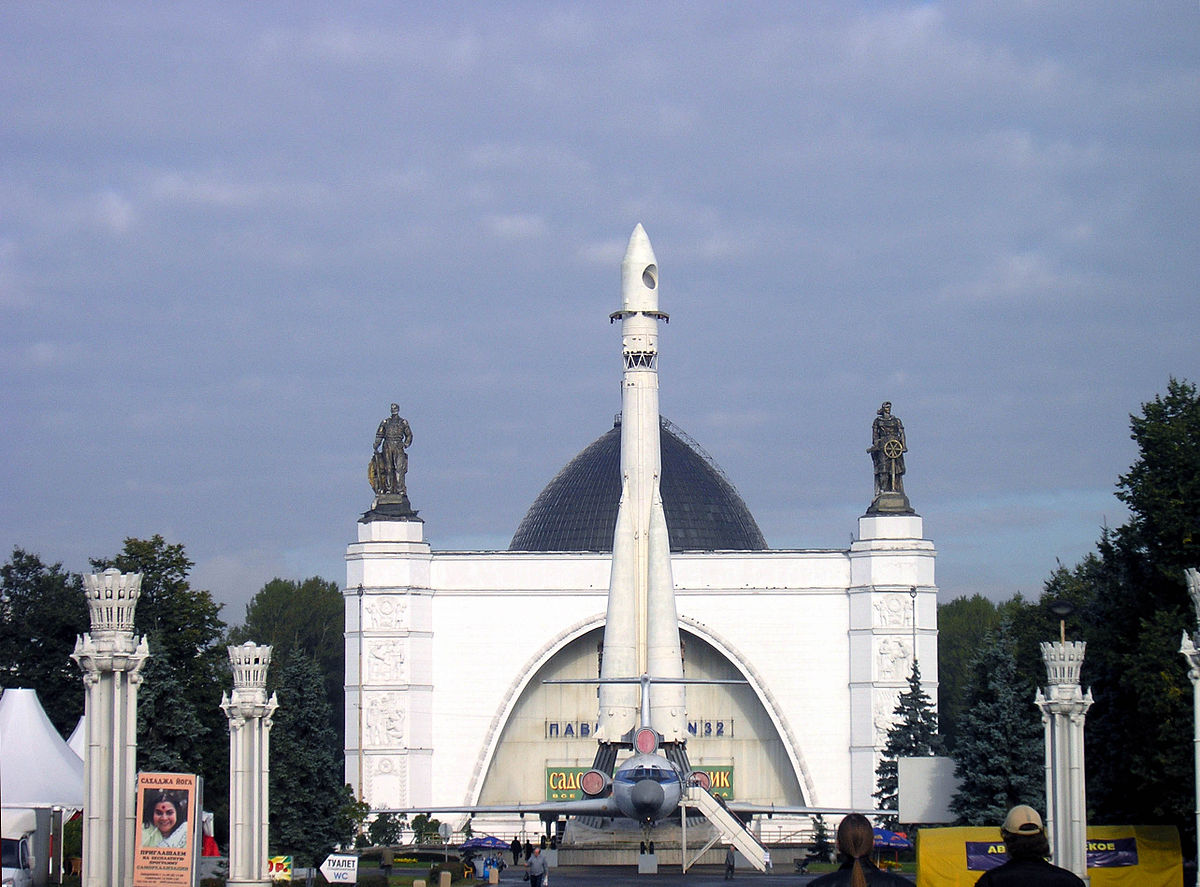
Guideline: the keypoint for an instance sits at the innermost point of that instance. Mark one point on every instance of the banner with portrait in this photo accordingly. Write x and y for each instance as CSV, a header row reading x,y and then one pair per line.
x,y
168,817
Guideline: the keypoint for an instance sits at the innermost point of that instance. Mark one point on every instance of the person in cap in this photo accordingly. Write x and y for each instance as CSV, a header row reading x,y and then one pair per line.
x,y
855,842
1027,846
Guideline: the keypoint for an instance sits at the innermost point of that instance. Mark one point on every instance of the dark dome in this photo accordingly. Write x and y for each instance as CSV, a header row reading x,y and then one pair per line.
x,y
577,511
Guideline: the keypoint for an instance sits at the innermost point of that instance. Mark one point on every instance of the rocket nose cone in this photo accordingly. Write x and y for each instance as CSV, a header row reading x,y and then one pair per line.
x,y
639,274
639,249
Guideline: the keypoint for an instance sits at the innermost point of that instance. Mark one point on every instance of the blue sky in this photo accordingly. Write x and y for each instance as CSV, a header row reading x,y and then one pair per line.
x,y
231,234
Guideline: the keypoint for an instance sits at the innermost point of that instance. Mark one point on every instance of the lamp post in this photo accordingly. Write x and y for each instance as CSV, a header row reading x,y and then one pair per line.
x,y
912,593
1190,652
111,659
1064,708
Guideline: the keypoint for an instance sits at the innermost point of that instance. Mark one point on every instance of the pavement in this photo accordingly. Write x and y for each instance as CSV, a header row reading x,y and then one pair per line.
x,y
627,876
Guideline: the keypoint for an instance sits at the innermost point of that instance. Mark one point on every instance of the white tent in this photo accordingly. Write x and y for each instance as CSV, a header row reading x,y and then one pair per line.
x,y
78,738
37,768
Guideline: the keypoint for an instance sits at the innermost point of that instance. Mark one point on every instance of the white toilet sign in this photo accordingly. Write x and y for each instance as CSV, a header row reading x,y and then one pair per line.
x,y
340,869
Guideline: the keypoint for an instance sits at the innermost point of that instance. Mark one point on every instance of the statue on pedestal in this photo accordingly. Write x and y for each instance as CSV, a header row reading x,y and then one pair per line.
x,y
887,450
389,464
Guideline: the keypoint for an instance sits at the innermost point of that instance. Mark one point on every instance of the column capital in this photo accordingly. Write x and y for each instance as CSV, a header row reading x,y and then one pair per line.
x,y
1063,661
112,598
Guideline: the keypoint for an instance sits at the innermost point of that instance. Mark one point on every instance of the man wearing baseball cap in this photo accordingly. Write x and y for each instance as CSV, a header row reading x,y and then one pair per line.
x,y
1025,839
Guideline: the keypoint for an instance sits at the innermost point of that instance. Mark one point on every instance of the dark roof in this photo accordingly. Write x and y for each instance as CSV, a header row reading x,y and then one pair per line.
x,y
577,511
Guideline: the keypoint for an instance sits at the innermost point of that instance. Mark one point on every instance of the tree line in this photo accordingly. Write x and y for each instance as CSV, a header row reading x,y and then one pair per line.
x,y
180,727
1131,607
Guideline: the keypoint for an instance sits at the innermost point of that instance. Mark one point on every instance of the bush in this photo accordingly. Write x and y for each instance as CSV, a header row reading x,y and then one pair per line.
x,y
459,871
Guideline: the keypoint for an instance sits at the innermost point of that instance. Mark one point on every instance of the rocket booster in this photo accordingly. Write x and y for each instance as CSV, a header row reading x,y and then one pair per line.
x,y
641,633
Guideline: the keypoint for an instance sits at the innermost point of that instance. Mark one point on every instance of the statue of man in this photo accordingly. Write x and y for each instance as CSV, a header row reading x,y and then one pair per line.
x,y
389,463
887,451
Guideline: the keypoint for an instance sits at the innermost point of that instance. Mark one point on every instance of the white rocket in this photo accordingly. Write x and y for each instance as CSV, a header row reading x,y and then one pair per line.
x,y
641,633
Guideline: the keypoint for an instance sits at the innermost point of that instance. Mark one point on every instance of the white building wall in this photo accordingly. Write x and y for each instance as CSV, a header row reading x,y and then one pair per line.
x,y
452,638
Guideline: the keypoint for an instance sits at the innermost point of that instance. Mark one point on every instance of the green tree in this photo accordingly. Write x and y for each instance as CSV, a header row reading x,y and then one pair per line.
x,y
386,828
962,625
822,844
1133,608
308,793
308,617
999,756
42,610
425,829
1162,488
913,735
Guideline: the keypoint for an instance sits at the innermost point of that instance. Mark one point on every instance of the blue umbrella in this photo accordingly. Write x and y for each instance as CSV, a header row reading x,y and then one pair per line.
x,y
886,840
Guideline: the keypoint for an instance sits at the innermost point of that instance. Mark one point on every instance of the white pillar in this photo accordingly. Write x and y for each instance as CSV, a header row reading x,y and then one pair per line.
x,y
1064,708
1192,655
111,660
249,713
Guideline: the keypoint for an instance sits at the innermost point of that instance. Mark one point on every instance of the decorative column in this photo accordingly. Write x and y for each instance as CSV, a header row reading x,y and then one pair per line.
x,y
1064,707
1192,654
111,660
249,713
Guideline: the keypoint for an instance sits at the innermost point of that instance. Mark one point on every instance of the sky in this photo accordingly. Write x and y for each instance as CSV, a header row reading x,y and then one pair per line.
x,y
231,234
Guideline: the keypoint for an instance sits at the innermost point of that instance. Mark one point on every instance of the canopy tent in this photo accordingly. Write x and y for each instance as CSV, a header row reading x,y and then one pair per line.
x,y
37,768
487,842
78,738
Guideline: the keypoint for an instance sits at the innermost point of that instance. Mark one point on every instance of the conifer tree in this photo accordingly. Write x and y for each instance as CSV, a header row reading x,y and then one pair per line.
x,y
822,845
308,792
999,756
913,735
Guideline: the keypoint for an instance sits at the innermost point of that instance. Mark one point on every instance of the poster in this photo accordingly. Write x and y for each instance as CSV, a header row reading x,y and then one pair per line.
x,y
168,810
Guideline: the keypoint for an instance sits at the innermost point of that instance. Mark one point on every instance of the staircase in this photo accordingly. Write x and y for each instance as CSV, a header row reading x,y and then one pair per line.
x,y
729,827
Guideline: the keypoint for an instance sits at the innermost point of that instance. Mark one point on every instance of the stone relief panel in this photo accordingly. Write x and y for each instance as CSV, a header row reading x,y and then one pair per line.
x,y
883,709
386,614
384,720
387,781
386,662
893,611
893,659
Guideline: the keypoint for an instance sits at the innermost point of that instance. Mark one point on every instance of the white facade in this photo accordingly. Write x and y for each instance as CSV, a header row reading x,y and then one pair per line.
x,y
446,653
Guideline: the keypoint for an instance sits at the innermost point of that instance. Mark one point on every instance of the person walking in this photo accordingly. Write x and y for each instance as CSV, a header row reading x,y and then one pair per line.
x,y
1027,845
729,860
536,868
855,841
516,850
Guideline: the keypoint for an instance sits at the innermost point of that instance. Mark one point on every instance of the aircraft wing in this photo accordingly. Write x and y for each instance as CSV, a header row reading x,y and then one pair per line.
x,y
585,807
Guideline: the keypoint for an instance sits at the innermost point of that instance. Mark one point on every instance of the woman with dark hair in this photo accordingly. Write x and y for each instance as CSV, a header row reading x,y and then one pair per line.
x,y
855,841
164,823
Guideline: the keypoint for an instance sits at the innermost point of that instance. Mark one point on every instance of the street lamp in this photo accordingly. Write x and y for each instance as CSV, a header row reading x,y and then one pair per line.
x,y
1062,609
1190,652
1064,707
912,593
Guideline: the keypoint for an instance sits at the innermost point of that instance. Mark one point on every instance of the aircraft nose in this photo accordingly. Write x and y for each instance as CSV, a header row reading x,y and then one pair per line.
x,y
647,797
